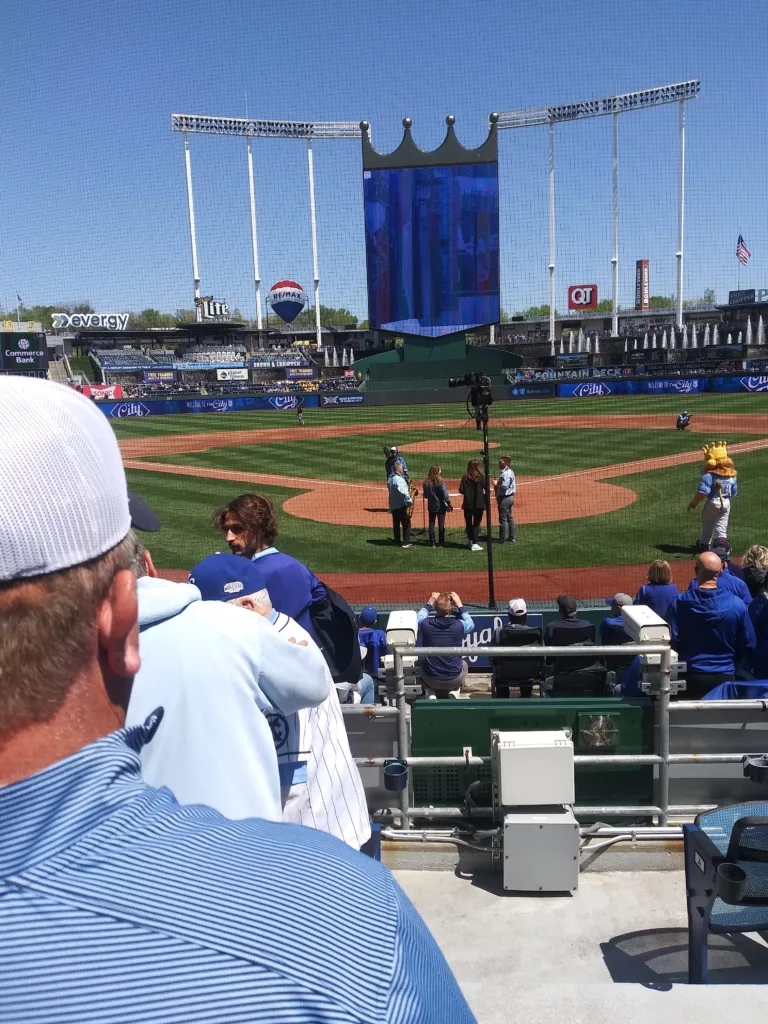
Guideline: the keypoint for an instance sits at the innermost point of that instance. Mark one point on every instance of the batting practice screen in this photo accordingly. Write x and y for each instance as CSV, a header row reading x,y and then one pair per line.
x,y
432,248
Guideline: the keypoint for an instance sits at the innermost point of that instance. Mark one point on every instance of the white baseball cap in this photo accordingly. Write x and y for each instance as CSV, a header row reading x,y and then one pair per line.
x,y
63,495
517,606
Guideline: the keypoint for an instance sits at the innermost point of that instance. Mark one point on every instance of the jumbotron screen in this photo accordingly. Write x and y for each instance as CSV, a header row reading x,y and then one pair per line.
x,y
432,248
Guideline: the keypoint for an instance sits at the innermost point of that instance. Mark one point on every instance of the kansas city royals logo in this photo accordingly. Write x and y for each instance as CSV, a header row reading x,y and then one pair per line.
x,y
279,726
754,383
686,385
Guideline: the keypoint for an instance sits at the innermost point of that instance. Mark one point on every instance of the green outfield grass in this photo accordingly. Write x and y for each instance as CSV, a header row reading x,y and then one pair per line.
x,y
536,451
161,426
655,525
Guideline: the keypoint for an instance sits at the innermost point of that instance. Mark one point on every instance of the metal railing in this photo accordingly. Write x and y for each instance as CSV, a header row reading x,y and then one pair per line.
x,y
661,809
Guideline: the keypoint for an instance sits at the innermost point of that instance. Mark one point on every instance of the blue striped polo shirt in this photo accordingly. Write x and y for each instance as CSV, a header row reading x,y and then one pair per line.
x,y
118,906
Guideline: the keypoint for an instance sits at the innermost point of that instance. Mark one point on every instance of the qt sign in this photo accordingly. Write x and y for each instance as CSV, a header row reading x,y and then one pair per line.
x,y
582,296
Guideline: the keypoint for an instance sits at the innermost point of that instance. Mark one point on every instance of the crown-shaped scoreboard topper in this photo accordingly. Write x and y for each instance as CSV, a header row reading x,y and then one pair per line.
x,y
450,150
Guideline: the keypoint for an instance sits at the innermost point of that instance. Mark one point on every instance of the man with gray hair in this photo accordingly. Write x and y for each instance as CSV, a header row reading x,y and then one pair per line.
x,y
117,903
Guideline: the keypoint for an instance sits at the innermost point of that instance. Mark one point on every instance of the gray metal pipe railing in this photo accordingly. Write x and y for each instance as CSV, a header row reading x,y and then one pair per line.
x,y
661,756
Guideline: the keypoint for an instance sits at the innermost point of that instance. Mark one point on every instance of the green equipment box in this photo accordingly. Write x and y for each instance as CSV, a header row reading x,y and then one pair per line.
x,y
598,726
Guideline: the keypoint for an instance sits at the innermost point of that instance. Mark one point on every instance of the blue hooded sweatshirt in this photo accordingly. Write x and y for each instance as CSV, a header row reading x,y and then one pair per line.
x,y
714,630
727,581
221,673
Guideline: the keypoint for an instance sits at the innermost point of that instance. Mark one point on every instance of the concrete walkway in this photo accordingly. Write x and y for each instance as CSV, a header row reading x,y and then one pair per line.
x,y
614,952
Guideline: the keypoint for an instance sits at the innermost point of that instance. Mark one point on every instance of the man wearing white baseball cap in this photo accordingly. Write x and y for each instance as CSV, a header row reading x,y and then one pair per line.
x,y
114,896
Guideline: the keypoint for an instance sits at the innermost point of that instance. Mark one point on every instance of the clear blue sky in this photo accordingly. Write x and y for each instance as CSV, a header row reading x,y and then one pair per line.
x,y
92,181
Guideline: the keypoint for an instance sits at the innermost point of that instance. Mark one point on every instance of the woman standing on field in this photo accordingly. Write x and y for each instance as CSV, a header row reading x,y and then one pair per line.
x,y
472,486
438,503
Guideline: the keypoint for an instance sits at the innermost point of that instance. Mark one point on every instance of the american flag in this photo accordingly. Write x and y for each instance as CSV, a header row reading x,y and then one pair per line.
x,y
742,252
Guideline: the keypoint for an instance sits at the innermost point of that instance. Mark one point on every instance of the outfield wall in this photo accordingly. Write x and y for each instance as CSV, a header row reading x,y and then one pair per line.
x,y
138,408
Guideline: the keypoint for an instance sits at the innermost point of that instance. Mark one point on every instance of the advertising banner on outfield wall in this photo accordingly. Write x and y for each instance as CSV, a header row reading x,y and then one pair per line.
x,y
300,372
159,376
532,391
730,384
681,386
593,389
353,398
248,403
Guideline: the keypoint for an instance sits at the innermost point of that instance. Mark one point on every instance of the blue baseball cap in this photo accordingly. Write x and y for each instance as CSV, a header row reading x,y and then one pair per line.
x,y
369,615
224,577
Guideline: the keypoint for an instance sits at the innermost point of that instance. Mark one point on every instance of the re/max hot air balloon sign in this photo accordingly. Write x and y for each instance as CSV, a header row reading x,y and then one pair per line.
x,y
287,299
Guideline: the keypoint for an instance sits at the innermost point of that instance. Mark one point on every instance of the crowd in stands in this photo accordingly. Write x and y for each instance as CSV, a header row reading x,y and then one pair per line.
x,y
207,354
718,626
169,389
207,860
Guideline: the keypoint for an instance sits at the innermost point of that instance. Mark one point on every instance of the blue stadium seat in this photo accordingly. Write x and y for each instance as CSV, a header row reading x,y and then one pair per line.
x,y
726,877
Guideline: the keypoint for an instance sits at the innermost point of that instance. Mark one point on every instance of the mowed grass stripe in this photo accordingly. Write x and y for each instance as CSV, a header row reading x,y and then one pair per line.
x,y
534,451
669,405
656,525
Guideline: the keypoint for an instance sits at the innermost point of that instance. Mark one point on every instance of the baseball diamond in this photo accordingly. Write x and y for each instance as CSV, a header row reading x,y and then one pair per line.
x,y
601,491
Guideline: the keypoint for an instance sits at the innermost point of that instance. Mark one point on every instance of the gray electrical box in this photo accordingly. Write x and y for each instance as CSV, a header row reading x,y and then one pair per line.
x,y
541,851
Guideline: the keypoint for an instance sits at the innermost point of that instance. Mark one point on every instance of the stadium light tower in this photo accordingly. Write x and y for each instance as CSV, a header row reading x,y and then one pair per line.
x,y
255,128
678,92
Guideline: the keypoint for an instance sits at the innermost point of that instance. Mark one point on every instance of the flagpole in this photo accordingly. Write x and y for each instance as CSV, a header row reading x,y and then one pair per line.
x,y
18,311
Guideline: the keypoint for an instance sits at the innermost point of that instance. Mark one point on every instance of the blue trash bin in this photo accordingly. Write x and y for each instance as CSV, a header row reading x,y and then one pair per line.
x,y
395,775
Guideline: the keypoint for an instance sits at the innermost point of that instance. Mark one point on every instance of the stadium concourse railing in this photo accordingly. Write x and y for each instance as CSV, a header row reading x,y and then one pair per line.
x,y
661,757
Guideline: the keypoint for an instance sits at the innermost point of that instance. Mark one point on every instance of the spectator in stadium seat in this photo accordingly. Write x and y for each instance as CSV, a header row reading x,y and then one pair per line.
x,y
612,628
249,525
443,675
727,581
567,608
714,630
320,783
221,679
755,568
758,614
723,551
374,641
659,593
95,864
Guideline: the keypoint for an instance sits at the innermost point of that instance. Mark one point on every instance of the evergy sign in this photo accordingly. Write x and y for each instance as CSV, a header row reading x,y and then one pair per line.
x,y
78,321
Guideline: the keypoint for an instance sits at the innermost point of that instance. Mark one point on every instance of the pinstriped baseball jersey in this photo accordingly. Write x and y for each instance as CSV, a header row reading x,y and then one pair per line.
x,y
321,784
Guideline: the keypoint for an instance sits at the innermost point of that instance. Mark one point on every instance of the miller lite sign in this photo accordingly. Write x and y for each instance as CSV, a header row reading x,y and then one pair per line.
x,y
206,309
642,285
582,296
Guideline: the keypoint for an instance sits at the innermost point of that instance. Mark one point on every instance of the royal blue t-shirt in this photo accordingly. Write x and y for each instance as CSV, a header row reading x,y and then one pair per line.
x,y
714,630
292,586
659,597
